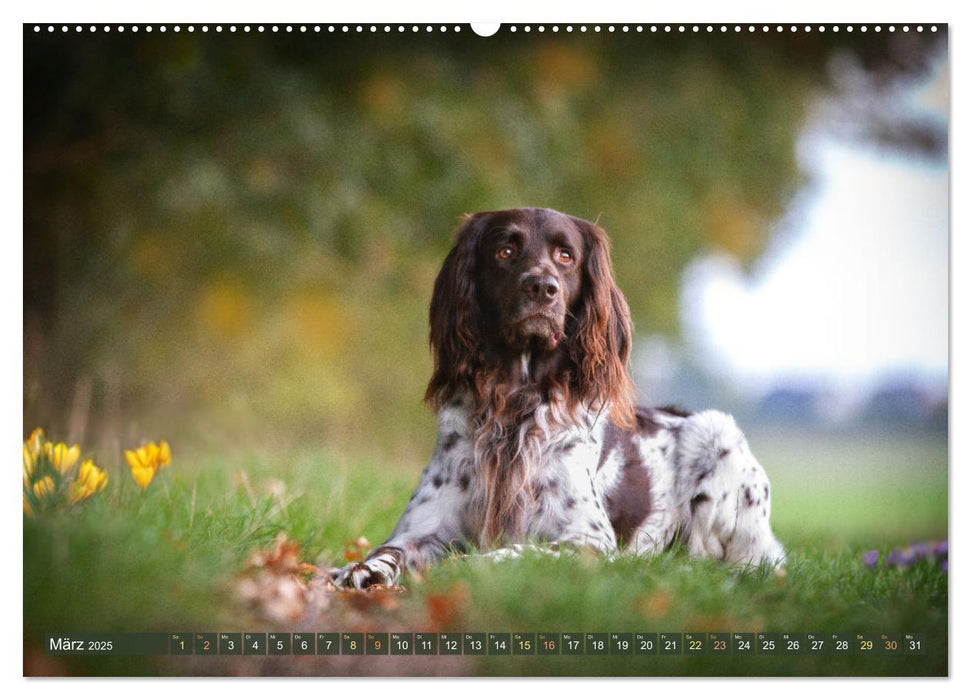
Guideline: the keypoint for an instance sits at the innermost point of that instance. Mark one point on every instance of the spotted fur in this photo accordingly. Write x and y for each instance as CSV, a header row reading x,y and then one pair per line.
x,y
538,441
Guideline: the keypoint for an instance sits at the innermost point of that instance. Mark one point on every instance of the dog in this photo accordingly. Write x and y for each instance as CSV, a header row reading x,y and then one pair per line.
x,y
539,440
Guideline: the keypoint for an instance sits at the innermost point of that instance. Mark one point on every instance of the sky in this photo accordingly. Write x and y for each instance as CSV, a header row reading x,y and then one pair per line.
x,y
854,288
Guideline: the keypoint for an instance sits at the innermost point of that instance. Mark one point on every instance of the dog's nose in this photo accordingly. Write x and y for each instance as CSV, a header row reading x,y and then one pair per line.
x,y
542,288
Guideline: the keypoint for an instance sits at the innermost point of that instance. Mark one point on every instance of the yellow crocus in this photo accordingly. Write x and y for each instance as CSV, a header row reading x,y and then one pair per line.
x,y
62,456
146,461
164,454
90,481
30,461
44,488
139,458
28,511
143,477
35,443
89,472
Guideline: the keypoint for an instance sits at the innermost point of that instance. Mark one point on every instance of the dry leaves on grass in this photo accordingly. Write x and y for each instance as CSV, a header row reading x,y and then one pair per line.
x,y
447,610
283,559
278,587
357,550
275,583
376,597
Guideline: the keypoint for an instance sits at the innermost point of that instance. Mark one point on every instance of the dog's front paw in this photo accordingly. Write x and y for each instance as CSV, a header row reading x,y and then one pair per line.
x,y
358,576
383,567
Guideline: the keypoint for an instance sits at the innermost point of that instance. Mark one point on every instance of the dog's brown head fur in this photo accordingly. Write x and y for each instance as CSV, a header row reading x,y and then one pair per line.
x,y
525,313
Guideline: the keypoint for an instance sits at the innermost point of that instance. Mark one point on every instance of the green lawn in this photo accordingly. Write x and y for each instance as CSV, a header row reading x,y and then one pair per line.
x,y
870,490
165,560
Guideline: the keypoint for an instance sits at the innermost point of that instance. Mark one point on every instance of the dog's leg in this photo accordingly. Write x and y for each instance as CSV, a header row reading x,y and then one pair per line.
x,y
429,528
658,530
723,494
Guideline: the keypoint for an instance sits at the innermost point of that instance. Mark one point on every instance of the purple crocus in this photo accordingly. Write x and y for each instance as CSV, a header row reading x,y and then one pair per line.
x,y
901,557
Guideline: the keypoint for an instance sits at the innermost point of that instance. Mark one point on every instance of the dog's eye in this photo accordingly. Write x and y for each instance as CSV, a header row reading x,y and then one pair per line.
x,y
563,256
505,252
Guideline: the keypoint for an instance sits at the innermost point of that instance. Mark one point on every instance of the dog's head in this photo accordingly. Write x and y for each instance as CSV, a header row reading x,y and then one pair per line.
x,y
528,277
538,284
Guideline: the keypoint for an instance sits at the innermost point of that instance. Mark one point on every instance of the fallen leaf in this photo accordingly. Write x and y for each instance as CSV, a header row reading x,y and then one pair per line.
x,y
273,598
282,559
376,596
446,610
274,585
356,550
657,605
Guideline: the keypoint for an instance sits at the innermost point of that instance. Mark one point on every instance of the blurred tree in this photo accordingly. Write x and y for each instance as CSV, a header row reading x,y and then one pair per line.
x,y
237,234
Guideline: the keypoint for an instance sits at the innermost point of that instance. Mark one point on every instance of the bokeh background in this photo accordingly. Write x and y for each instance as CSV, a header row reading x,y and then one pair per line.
x,y
230,240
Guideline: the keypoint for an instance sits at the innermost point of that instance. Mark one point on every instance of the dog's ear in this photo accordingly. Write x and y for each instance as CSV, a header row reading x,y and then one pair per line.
x,y
601,342
454,319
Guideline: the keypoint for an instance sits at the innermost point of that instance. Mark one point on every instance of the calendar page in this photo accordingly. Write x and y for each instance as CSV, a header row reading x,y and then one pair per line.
x,y
524,349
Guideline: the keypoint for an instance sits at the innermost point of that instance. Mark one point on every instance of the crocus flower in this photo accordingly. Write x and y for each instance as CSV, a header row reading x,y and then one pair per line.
x,y
33,448
922,550
90,481
30,461
44,488
35,443
901,557
142,474
871,558
147,460
62,457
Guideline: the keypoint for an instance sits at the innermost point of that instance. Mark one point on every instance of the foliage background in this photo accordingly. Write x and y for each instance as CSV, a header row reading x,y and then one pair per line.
x,y
233,237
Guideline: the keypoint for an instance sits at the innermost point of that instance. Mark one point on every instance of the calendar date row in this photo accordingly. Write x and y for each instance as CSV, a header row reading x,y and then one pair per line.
x,y
491,643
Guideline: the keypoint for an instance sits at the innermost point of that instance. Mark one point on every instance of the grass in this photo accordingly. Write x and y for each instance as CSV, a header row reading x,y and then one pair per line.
x,y
165,560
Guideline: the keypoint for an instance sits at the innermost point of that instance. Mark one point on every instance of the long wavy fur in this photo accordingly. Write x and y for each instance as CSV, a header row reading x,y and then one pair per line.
x,y
511,421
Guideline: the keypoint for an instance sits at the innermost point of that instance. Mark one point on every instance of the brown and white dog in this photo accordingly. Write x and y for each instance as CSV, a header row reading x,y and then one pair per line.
x,y
539,439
